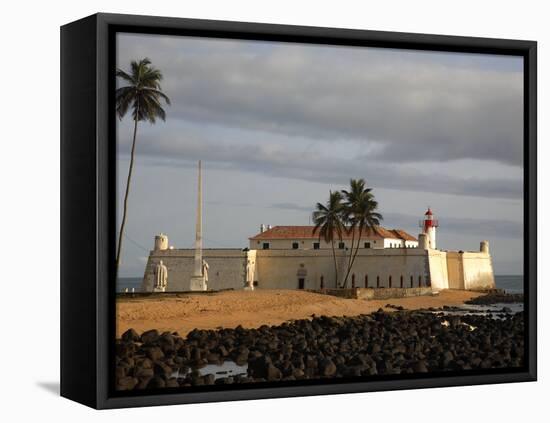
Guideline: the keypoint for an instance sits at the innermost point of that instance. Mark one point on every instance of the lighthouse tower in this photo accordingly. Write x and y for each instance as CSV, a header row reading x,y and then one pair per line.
x,y
428,225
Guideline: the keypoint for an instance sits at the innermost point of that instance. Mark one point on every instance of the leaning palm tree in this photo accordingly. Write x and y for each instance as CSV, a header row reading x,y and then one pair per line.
x,y
328,221
143,96
360,214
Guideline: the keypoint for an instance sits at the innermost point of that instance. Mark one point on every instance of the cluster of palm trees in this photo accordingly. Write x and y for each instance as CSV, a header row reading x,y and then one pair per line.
x,y
352,211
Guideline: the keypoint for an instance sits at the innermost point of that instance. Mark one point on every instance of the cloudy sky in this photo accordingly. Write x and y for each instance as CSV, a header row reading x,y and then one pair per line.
x,y
278,125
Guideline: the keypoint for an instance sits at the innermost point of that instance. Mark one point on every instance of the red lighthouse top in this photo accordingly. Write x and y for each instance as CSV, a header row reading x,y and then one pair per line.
x,y
428,221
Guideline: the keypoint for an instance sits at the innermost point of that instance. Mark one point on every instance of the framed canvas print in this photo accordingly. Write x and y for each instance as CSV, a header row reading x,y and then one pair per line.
x,y
256,211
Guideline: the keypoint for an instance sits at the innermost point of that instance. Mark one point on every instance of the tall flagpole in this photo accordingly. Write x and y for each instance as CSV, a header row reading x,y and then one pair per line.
x,y
198,282
198,232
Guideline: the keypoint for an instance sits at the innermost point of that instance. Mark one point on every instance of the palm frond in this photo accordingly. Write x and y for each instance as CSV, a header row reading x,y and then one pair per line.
x,y
143,94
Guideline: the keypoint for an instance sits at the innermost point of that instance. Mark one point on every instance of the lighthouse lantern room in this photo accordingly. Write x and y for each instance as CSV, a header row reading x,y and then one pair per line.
x,y
428,225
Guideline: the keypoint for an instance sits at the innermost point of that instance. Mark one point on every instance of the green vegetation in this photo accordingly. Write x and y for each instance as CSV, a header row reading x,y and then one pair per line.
x,y
352,211
143,95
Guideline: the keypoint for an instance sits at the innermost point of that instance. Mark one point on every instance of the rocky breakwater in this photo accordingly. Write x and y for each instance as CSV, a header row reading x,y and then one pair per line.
x,y
381,343
498,297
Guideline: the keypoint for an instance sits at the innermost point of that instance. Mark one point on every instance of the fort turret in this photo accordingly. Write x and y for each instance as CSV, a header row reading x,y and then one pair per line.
x,y
161,242
484,247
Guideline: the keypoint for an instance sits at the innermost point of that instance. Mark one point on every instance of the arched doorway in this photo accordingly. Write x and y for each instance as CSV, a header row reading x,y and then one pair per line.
x,y
301,274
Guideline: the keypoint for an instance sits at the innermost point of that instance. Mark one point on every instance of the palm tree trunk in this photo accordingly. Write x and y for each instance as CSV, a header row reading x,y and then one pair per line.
x,y
350,256
125,206
353,255
335,264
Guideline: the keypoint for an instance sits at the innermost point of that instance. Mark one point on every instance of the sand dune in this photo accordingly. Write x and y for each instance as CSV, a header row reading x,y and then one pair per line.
x,y
229,309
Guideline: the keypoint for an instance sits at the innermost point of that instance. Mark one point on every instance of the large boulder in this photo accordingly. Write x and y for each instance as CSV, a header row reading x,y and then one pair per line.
x,y
150,336
130,336
154,353
126,383
327,367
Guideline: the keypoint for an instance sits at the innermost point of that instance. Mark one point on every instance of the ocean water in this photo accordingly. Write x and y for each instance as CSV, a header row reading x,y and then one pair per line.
x,y
511,283
128,283
228,368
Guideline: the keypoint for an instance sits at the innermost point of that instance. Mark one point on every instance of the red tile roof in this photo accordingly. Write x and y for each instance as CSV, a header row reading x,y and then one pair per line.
x,y
404,235
306,232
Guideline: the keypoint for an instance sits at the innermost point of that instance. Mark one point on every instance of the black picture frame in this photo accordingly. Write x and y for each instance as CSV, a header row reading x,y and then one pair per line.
x,y
87,203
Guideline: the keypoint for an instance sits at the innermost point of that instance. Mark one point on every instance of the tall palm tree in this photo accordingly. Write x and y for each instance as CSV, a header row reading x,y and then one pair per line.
x,y
143,95
328,221
360,214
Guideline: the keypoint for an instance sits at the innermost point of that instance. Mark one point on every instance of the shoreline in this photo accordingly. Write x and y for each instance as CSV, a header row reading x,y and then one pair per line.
x,y
253,309
379,343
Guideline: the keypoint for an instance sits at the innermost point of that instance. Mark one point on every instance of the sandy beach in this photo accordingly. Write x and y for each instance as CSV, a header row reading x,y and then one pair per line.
x,y
229,309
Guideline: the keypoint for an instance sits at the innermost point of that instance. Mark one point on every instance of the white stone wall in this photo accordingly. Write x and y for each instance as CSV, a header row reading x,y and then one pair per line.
x,y
478,271
461,270
283,268
439,275
226,268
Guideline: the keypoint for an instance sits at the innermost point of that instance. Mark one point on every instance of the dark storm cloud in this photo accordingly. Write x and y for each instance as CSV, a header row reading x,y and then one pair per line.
x,y
278,125
310,165
481,228
465,226
410,106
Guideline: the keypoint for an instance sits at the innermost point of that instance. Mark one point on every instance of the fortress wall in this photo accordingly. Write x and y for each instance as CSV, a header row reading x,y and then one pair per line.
x,y
478,271
279,269
226,268
438,269
455,270
470,270
283,268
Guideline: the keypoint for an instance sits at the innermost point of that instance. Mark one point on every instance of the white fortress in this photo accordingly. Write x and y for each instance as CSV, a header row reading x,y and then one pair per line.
x,y
293,257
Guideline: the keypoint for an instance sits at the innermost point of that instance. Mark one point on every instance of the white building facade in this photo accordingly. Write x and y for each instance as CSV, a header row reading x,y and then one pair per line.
x,y
293,257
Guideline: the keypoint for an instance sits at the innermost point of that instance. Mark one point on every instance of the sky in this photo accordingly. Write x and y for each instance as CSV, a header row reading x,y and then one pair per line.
x,y
279,125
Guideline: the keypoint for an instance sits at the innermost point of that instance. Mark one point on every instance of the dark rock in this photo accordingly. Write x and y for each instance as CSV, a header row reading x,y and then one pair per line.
x,y
209,379
420,367
130,336
143,382
272,373
161,369
156,383
125,349
145,363
327,367
126,383
172,383
298,373
166,342
154,353
257,368
141,372
150,336
213,358
374,348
